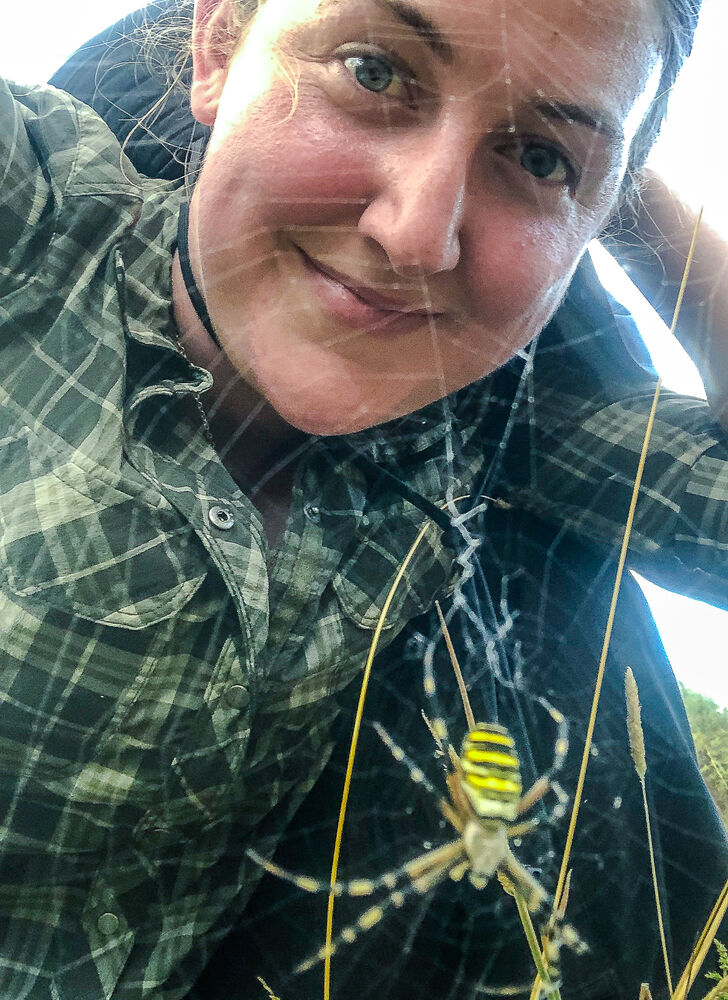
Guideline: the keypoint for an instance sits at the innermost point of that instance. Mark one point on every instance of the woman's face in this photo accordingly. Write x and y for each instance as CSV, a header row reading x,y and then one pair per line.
x,y
396,194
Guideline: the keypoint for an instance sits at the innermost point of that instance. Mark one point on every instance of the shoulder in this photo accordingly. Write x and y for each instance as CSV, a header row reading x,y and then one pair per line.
x,y
67,192
72,144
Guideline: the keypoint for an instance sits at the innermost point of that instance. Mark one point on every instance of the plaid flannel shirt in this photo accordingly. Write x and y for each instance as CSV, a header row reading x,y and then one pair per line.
x,y
166,697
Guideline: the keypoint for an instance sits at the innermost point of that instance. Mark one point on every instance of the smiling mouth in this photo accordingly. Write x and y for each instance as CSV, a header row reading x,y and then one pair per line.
x,y
359,305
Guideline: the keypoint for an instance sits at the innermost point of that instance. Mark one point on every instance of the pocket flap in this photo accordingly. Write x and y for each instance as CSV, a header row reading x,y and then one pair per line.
x,y
74,539
365,580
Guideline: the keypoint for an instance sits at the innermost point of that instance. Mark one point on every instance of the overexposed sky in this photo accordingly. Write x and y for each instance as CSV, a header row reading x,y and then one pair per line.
x,y
690,154
37,37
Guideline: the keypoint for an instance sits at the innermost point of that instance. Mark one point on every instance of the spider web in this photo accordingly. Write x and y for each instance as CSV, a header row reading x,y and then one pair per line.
x,y
458,941
527,614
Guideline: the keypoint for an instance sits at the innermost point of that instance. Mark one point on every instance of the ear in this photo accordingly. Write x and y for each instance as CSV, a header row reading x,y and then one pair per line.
x,y
212,45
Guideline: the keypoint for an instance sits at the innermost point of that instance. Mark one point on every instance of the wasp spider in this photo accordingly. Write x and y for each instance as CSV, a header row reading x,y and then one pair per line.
x,y
484,808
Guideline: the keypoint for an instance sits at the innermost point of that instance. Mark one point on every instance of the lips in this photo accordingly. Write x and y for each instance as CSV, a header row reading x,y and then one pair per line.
x,y
360,306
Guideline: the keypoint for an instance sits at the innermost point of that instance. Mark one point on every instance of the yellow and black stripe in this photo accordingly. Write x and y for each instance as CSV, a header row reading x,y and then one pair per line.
x,y
491,772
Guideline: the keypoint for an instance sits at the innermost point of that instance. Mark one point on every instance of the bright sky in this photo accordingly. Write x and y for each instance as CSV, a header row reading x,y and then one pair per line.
x,y
37,37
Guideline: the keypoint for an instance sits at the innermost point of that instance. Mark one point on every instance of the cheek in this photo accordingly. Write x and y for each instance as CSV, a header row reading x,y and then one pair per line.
x,y
518,271
295,167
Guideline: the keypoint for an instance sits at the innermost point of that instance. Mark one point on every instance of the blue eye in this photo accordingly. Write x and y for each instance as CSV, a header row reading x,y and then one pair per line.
x,y
546,163
372,72
376,74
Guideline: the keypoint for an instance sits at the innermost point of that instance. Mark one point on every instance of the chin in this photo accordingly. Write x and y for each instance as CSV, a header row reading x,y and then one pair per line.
x,y
330,416
333,404
328,424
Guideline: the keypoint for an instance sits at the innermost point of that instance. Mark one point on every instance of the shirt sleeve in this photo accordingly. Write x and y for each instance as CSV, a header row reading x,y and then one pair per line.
x,y
574,452
27,198
63,180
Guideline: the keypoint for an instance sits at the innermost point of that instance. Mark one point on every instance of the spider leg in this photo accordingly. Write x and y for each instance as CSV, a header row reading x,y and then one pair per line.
x,y
546,782
435,735
532,889
561,743
554,936
521,829
417,868
436,722
463,808
452,816
534,794
416,773
448,858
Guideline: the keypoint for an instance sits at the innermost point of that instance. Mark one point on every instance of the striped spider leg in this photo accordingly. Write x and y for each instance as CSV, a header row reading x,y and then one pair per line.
x,y
484,789
482,773
485,807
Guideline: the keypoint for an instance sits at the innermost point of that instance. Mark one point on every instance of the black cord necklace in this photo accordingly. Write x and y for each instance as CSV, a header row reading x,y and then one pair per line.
x,y
198,303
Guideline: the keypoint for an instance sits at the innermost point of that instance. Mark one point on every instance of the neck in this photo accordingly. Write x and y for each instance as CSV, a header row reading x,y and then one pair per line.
x,y
254,442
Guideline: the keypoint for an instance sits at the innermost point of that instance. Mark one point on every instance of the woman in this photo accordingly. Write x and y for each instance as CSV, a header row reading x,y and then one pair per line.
x,y
356,261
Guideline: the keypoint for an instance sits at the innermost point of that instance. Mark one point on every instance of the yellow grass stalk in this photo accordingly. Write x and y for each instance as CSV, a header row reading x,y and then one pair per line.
x,y
719,990
616,589
560,913
551,991
645,992
618,582
267,988
637,748
702,947
353,747
469,717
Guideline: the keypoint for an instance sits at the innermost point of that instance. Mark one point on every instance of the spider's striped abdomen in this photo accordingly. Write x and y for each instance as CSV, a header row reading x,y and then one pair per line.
x,y
491,772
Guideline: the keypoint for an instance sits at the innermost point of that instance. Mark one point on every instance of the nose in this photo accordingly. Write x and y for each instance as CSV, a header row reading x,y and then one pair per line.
x,y
417,210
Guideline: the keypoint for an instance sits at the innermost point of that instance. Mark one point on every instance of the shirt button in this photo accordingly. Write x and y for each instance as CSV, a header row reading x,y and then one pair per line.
x,y
312,512
237,696
221,517
161,835
108,923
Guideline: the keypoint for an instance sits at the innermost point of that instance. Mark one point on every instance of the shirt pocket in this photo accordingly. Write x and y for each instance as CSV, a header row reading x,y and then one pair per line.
x,y
94,954
367,577
75,537
364,584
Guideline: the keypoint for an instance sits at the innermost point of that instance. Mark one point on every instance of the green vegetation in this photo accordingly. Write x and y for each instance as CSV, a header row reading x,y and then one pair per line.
x,y
710,732
723,966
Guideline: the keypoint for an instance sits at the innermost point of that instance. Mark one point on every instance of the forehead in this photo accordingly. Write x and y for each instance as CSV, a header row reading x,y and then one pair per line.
x,y
587,50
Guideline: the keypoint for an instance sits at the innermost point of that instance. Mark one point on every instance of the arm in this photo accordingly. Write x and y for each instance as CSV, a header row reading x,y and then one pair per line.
x,y
24,192
652,244
574,448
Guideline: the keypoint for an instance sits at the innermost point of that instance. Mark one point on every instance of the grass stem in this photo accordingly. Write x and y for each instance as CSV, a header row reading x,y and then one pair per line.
x,y
352,751
637,747
658,905
702,947
550,990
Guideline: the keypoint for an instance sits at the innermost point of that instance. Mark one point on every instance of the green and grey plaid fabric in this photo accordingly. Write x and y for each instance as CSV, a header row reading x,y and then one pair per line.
x,y
154,712
166,695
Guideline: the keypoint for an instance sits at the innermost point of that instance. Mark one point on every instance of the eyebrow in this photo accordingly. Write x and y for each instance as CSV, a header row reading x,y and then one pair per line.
x,y
562,111
598,121
420,23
